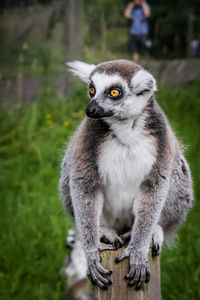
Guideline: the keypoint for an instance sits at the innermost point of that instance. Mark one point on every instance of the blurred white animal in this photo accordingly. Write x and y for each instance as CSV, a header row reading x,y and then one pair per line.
x,y
75,269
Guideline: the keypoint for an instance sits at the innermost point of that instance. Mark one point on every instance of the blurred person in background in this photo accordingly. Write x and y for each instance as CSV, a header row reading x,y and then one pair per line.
x,y
138,11
194,47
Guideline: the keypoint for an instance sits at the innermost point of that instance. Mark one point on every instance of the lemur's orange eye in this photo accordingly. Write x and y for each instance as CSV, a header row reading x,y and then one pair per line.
x,y
92,91
114,93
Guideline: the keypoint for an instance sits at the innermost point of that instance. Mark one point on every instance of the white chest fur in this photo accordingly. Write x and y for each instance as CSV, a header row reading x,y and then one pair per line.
x,y
124,162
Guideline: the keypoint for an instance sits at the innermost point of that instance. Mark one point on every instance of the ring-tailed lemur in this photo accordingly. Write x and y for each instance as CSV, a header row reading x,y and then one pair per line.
x,y
75,269
124,170
75,265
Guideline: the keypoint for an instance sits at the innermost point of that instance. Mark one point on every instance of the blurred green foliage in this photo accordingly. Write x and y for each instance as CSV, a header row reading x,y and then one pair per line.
x,y
33,224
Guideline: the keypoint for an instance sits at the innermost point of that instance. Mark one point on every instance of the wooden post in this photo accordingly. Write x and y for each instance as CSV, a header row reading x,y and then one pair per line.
x,y
119,289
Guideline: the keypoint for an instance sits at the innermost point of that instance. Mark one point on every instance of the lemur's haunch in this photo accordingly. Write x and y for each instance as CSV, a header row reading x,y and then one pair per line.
x,y
124,176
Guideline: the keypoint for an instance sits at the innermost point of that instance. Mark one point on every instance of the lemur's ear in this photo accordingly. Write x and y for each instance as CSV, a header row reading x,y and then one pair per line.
x,y
80,69
143,79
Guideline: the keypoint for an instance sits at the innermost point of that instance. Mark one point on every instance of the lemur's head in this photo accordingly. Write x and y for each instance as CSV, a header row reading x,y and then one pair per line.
x,y
119,89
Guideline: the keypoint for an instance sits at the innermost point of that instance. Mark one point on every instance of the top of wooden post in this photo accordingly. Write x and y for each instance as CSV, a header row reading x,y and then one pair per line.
x,y
119,289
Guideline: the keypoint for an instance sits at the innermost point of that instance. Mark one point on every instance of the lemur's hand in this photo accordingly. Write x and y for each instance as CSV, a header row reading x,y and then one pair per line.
x,y
139,267
96,271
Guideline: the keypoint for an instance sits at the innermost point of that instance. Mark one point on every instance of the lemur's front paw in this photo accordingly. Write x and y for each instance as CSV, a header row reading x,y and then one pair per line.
x,y
96,271
139,268
157,241
109,236
126,237
156,249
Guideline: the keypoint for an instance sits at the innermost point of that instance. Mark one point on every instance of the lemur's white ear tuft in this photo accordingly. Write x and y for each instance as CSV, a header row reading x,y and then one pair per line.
x,y
81,69
144,79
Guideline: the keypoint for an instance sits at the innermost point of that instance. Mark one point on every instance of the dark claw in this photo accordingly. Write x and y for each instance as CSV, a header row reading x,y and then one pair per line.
x,y
117,243
129,276
91,279
155,249
117,260
138,277
130,284
105,240
147,280
104,287
148,274
134,282
109,282
138,286
125,238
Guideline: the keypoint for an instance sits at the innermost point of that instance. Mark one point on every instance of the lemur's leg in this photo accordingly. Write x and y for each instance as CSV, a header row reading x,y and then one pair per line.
x,y
109,236
174,212
149,204
65,188
156,241
87,204
179,198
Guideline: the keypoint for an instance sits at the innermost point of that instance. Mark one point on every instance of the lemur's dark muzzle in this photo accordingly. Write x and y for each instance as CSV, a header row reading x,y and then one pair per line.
x,y
94,111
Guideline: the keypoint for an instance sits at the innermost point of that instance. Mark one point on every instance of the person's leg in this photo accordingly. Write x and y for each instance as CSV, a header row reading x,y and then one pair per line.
x,y
142,44
135,57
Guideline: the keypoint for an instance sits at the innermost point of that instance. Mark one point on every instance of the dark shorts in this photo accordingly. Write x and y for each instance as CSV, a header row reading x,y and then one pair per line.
x,y
137,43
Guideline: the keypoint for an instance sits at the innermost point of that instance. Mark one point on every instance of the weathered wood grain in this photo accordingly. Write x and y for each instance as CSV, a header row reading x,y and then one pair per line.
x,y
119,289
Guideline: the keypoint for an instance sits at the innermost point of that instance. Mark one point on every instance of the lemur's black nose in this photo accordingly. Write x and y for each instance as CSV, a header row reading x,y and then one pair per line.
x,y
95,111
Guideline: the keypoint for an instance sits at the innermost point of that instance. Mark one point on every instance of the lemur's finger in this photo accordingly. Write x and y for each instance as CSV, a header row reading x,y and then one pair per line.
x,y
91,278
101,278
105,240
97,281
118,243
148,274
121,256
155,249
126,237
138,286
137,279
102,269
107,247
143,275
134,276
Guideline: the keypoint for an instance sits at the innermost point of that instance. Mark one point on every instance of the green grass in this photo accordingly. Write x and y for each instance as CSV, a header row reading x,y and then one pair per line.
x,y
181,266
33,224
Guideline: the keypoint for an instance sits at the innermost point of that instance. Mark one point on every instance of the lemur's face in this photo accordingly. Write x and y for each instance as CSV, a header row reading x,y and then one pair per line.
x,y
118,89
